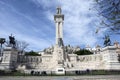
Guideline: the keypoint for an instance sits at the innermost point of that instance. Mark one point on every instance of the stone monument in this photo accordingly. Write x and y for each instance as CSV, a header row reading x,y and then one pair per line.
x,y
59,53
9,58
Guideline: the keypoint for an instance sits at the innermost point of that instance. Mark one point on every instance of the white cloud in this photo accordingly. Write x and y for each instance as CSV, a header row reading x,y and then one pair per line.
x,y
35,43
15,22
45,3
79,25
80,22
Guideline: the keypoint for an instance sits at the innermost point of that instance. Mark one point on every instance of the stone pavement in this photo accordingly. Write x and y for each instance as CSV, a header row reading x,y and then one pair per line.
x,y
95,77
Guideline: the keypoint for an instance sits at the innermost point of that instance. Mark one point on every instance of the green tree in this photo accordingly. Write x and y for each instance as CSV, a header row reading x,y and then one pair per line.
x,y
32,53
83,52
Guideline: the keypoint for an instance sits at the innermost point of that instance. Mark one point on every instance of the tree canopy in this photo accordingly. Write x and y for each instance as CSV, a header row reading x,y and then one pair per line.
x,y
21,45
110,11
32,53
83,52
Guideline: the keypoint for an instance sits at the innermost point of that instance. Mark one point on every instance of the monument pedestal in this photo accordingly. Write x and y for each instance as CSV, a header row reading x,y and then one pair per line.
x,y
60,71
9,59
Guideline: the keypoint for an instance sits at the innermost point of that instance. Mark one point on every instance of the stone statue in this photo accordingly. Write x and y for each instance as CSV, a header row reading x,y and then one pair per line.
x,y
58,10
60,42
12,41
107,41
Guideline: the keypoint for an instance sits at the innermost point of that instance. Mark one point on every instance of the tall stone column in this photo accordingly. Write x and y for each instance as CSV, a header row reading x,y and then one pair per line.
x,y
61,30
59,18
58,54
56,33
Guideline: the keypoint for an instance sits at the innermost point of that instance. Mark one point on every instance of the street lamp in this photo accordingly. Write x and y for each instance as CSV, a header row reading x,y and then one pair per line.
x,y
2,41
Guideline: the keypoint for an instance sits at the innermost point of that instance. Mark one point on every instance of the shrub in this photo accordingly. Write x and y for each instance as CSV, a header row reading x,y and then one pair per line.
x,y
83,52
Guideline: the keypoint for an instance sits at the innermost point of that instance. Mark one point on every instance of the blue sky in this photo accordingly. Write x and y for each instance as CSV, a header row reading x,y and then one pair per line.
x,y
33,21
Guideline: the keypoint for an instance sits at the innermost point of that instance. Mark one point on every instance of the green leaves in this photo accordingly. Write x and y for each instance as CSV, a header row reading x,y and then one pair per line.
x,y
32,53
83,52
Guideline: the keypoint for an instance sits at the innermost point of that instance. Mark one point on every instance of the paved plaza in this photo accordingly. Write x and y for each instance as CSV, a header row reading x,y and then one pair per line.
x,y
96,77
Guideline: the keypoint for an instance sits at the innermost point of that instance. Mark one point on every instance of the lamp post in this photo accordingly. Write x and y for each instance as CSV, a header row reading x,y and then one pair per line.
x,y
2,41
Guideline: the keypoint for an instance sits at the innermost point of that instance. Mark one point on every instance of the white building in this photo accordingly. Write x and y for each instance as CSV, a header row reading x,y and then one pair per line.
x,y
60,58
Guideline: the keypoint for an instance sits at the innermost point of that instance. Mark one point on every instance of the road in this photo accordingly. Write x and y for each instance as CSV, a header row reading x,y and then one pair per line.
x,y
94,77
